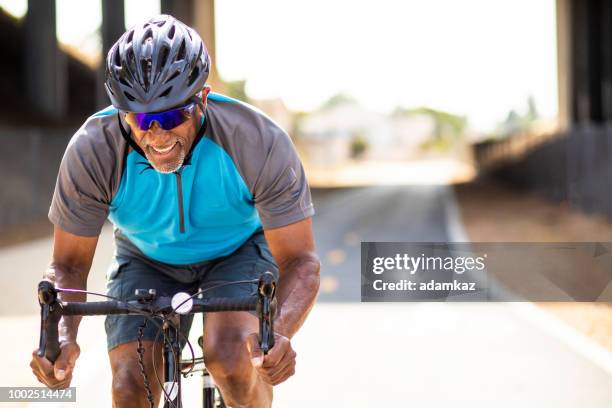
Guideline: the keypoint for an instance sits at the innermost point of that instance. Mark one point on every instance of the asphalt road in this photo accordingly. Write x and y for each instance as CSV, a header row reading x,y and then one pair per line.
x,y
353,354
345,217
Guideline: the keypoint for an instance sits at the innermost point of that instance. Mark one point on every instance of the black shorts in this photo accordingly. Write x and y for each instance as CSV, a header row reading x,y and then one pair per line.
x,y
132,270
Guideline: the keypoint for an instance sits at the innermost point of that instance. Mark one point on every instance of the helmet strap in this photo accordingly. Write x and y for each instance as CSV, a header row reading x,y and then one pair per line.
x,y
128,138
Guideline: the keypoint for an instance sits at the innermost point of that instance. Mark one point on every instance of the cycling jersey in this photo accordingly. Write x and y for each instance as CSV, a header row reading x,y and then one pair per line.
x,y
242,175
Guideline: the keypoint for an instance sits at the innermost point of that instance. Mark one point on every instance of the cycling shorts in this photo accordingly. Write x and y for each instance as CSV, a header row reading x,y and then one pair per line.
x,y
131,270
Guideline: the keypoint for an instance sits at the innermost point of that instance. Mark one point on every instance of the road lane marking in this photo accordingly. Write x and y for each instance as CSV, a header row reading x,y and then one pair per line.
x,y
336,256
329,284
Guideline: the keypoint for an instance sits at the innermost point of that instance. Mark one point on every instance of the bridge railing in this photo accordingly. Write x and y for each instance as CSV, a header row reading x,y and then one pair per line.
x,y
574,166
29,160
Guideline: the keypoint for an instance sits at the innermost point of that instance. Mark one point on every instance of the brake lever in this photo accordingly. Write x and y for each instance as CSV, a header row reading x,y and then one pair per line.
x,y
48,344
267,310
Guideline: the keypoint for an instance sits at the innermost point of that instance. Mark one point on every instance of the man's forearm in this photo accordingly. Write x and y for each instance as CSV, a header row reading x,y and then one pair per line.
x,y
65,277
297,291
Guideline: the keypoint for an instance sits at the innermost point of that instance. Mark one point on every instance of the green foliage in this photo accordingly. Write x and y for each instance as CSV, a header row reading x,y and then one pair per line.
x,y
449,128
337,100
359,145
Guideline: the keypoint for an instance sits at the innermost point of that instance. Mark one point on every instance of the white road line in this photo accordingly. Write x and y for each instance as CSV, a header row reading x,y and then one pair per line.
x,y
572,338
544,321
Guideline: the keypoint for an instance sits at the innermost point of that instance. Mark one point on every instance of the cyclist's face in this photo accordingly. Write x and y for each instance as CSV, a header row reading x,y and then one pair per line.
x,y
166,149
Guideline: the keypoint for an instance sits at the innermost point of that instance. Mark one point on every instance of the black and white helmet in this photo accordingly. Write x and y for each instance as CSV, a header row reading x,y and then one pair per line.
x,y
156,66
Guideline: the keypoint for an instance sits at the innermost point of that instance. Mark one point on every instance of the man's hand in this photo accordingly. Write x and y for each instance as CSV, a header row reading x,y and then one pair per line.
x,y
58,375
276,366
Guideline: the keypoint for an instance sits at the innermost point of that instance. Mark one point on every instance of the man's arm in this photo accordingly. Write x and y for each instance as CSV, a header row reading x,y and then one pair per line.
x,y
293,249
69,268
70,264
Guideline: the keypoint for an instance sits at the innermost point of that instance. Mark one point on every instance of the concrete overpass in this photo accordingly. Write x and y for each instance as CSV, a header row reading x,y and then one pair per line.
x,y
573,164
46,78
584,44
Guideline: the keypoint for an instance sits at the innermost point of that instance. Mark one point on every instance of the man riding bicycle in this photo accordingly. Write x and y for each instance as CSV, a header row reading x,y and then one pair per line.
x,y
201,189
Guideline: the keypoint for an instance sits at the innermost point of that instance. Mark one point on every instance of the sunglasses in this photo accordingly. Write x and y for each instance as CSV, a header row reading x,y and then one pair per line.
x,y
166,120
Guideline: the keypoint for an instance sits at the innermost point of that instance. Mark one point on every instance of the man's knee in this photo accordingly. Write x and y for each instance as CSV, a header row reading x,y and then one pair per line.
x,y
128,382
128,386
228,362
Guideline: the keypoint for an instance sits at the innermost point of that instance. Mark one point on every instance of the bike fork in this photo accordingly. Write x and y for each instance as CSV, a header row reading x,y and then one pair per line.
x,y
208,390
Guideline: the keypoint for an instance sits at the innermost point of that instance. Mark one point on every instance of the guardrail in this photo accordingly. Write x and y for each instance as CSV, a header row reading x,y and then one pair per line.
x,y
574,166
29,160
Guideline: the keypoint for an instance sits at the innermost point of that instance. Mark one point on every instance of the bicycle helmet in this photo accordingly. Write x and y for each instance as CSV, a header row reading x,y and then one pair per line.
x,y
156,66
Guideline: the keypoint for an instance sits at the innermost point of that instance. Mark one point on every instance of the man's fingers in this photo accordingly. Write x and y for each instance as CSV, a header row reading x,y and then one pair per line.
x,y
41,365
62,369
283,375
58,375
286,362
276,354
62,384
279,375
65,362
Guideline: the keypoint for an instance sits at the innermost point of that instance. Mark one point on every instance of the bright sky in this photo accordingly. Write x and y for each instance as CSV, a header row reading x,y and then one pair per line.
x,y
478,58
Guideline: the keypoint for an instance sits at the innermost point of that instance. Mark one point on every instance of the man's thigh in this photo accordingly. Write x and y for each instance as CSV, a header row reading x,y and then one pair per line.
x,y
237,274
127,274
234,276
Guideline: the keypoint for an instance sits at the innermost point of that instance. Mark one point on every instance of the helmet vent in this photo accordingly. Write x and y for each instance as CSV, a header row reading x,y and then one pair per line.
x,y
174,75
129,96
163,57
148,35
146,71
124,82
130,37
193,76
129,57
181,53
166,92
171,32
117,58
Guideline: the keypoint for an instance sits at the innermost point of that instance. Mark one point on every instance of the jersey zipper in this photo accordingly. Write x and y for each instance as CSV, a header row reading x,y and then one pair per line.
x,y
179,188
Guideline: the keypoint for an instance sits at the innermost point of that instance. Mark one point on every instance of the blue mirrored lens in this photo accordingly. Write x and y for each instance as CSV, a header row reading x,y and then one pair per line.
x,y
167,120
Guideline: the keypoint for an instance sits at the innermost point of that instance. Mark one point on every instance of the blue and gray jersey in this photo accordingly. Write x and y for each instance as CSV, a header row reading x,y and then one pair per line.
x,y
243,174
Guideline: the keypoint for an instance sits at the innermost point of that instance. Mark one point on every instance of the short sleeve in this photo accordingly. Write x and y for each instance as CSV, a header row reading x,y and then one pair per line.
x,y
82,193
281,192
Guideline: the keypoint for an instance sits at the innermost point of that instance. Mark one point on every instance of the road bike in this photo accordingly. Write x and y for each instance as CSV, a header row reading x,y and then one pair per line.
x,y
167,310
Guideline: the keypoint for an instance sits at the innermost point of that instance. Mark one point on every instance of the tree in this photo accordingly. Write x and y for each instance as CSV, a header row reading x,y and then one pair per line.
x,y
448,126
336,100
